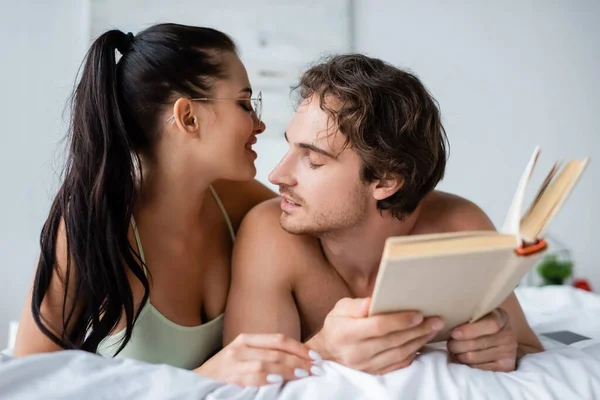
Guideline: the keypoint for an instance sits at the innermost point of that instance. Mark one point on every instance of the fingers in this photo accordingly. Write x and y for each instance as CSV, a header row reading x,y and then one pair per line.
x,y
260,359
504,337
374,335
488,344
504,365
399,365
381,325
399,338
291,361
353,308
259,373
274,341
488,325
398,355
489,355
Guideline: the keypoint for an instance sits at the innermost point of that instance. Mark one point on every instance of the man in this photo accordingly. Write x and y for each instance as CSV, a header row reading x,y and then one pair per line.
x,y
366,150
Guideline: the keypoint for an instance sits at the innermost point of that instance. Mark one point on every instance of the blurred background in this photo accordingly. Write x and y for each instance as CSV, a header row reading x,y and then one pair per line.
x,y
509,75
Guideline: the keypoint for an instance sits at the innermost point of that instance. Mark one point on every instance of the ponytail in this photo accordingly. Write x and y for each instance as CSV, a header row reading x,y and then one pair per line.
x,y
96,203
115,116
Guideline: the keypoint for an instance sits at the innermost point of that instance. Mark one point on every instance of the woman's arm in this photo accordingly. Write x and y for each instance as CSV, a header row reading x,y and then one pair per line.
x,y
30,338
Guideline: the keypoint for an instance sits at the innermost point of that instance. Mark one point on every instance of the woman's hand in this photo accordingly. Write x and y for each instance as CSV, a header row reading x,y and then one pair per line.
x,y
259,359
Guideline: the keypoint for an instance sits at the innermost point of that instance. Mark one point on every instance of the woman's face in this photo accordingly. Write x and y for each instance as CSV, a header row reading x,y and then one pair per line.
x,y
222,130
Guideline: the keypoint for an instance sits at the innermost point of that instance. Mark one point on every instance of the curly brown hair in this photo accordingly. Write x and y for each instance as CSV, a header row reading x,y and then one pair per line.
x,y
389,118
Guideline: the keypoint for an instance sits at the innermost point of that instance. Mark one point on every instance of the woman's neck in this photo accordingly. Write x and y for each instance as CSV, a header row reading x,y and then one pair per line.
x,y
171,198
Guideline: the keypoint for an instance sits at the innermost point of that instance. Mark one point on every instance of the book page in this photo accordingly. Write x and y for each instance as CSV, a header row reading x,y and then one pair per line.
x,y
512,222
542,188
450,245
550,202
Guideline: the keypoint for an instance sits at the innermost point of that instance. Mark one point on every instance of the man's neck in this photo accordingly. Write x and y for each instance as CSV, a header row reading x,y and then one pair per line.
x,y
355,253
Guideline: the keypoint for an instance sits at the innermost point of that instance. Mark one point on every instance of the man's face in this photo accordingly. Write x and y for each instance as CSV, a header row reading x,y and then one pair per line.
x,y
319,180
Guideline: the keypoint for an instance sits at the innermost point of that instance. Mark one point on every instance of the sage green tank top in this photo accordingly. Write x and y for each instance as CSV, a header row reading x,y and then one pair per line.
x,y
158,340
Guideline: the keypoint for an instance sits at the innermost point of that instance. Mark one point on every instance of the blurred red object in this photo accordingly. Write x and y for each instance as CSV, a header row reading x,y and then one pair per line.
x,y
582,283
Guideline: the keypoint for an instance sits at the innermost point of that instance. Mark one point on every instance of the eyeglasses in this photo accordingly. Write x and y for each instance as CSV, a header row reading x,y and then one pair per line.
x,y
255,103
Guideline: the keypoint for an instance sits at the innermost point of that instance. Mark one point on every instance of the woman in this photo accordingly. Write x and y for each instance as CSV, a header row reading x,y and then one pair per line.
x,y
135,253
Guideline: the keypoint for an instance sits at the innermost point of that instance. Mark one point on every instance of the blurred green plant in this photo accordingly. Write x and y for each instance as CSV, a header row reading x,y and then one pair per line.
x,y
554,270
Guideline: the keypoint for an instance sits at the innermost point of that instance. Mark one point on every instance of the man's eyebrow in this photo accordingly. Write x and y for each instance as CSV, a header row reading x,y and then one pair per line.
x,y
316,149
246,90
311,147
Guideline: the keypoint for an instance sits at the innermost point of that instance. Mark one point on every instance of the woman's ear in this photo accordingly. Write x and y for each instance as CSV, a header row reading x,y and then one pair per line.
x,y
387,186
185,116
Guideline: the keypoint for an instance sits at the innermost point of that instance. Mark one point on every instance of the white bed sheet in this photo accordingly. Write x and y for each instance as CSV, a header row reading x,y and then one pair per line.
x,y
561,372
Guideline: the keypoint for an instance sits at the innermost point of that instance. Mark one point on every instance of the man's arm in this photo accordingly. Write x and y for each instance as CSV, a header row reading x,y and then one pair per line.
x,y
260,295
267,262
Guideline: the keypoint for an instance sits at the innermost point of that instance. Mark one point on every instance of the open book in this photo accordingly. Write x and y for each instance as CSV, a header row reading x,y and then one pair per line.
x,y
463,276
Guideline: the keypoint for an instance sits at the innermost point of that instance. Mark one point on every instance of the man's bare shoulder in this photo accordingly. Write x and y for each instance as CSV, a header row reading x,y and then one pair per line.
x,y
262,228
265,214
239,198
447,212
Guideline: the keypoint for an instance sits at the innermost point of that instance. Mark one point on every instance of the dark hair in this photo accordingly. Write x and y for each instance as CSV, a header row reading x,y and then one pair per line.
x,y
389,118
115,113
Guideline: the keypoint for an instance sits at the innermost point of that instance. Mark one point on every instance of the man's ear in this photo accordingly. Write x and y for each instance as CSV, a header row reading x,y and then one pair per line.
x,y
387,186
185,116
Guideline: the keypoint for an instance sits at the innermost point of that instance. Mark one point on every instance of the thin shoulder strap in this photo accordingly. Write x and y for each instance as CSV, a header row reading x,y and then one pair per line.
x,y
218,200
138,241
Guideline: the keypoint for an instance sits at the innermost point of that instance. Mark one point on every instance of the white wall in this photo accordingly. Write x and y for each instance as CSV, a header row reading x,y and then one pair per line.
x,y
41,47
508,75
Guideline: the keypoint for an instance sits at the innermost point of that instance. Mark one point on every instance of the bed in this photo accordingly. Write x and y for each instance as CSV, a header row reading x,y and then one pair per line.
x,y
561,372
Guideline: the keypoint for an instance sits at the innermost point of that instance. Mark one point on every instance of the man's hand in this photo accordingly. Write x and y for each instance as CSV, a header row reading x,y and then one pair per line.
x,y
377,344
488,344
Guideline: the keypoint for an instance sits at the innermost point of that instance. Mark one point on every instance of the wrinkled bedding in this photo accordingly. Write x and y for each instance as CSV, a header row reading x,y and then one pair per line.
x,y
561,372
